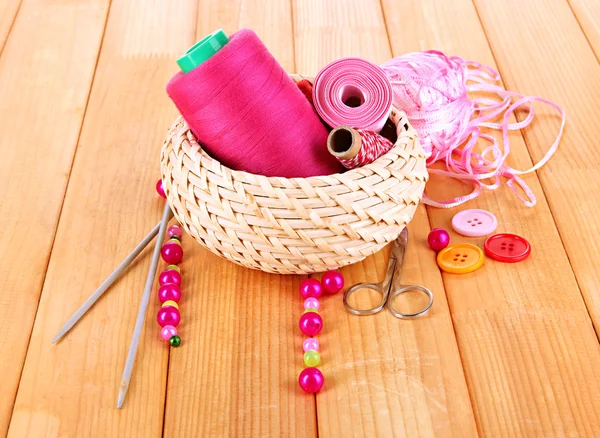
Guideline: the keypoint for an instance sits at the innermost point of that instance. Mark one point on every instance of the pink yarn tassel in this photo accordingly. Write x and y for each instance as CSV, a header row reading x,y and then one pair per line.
x,y
433,91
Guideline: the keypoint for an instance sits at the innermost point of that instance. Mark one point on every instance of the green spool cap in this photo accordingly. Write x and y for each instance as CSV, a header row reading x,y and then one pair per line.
x,y
202,50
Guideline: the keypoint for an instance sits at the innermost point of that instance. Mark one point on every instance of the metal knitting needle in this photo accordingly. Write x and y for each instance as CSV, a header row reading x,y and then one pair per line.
x,y
106,284
141,317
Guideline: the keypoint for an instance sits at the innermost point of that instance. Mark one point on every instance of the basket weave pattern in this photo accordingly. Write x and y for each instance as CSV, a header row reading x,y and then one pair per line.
x,y
293,225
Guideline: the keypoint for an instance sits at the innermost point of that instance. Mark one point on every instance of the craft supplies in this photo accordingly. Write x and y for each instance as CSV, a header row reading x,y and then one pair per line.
x,y
311,287
311,323
438,239
507,248
433,88
171,252
461,258
301,217
169,293
353,92
311,303
356,147
391,286
332,282
202,50
249,115
141,317
160,189
474,223
106,284
306,88
311,380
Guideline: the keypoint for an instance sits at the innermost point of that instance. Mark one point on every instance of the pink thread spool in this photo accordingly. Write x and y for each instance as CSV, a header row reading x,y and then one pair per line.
x,y
248,114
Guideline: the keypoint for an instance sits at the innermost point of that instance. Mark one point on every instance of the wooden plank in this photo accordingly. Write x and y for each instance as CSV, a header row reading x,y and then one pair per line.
x,y
571,178
384,377
8,12
46,71
588,15
526,341
236,373
70,389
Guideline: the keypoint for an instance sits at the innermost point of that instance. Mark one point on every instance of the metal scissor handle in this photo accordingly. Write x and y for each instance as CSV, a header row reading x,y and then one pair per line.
x,y
392,277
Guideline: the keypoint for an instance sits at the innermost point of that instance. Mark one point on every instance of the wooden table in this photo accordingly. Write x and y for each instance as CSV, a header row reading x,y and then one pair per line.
x,y
510,350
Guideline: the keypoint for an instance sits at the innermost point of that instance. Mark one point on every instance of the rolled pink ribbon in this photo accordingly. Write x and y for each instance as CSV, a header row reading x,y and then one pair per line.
x,y
353,92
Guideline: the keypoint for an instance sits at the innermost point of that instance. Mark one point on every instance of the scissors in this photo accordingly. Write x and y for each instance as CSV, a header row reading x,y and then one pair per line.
x,y
392,281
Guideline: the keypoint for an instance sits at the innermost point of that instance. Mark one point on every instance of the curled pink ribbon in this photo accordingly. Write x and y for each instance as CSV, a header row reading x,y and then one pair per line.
x,y
353,92
433,91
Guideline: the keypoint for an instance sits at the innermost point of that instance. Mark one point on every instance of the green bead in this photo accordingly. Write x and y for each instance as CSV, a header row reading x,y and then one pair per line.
x,y
175,267
312,358
175,341
176,238
310,310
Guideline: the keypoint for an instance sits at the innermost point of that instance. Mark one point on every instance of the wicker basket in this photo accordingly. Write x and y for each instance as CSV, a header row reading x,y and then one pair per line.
x,y
295,225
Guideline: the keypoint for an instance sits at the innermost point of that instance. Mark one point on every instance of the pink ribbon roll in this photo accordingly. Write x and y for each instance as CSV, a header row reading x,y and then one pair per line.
x,y
353,92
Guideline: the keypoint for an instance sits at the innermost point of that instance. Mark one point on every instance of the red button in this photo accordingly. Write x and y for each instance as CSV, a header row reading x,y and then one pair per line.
x,y
507,248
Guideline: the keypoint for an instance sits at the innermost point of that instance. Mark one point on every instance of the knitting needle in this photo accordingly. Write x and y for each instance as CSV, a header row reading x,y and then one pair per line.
x,y
106,284
141,317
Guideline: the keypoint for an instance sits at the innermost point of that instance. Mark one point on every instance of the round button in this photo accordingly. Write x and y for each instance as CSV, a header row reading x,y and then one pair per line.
x,y
507,248
460,258
474,223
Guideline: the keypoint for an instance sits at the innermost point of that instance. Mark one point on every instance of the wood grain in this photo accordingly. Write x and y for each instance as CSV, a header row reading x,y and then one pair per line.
x,y
70,389
8,12
40,119
571,178
588,15
236,374
384,376
525,338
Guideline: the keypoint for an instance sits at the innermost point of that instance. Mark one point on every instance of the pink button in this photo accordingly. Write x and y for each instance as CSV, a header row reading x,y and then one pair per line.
x,y
474,223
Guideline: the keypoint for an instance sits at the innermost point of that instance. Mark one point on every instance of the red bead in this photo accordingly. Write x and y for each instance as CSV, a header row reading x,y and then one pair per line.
x,y
160,189
169,292
438,239
333,282
311,380
311,287
169,276
172,253
311,323
168,315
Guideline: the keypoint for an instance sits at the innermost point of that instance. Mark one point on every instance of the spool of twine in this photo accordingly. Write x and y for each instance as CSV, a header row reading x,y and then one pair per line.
x,y
249,115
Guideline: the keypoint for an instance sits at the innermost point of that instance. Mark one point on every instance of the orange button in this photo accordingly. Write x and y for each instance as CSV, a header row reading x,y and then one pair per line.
x,y
460,259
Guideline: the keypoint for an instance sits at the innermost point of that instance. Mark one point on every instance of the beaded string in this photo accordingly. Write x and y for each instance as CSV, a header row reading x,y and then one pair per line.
x,y
169,292
311,379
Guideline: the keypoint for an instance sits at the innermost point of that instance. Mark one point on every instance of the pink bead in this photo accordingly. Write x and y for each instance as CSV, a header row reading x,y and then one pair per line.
x,y
438,239
169,292
311,323
311,287
168,332
169,276
172,253
174,230
333,282
311,380
168,315
310,344
312,303
160,189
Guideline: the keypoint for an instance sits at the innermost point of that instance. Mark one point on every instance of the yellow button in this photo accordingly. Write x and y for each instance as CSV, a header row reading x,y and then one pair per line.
x,y
460,258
